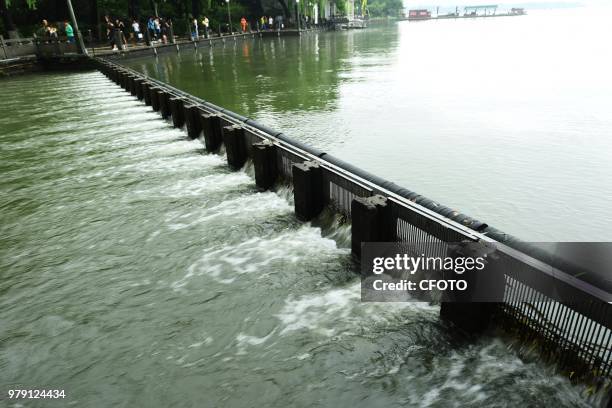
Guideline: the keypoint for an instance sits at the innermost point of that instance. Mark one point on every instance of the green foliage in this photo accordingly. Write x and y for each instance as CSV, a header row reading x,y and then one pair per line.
x,y
383,8
341,7
31,4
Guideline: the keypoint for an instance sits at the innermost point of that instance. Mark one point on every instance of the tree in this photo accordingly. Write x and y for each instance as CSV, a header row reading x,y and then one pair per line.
x,y
7,19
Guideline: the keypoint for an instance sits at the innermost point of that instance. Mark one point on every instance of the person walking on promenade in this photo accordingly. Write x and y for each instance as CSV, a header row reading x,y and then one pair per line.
x,y
121,40
136,30
205,23
53,33
157,25
194,29
262,22
243,24
151,28
271,23
69,32
165,30
44,31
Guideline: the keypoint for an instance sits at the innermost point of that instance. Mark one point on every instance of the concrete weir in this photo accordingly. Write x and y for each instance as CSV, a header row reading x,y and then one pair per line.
x,y
381,211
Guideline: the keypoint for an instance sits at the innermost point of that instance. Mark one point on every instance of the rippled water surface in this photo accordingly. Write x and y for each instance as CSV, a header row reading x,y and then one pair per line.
x,y
138,271
505,119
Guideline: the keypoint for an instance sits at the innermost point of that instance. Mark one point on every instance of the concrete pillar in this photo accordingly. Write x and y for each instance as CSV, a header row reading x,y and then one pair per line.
x,y
472,310
307,190
176,109
192,120
164,103
211,127
132,85
126,81
264,161
146,92
153,92
139,88
235,146
371,222
121,80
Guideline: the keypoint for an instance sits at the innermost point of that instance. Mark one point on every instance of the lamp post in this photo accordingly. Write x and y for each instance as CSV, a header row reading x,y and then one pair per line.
x,y
229,16
311,13
297,8
79,37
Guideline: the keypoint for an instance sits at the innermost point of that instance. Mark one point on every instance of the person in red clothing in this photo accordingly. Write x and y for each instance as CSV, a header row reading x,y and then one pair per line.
x,y
243,24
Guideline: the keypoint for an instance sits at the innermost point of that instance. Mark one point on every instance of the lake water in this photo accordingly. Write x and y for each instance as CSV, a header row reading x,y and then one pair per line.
x,y
136,270
505,119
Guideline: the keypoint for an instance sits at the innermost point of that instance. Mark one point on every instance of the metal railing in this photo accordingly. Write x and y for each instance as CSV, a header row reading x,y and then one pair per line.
x,y
15,48
577,334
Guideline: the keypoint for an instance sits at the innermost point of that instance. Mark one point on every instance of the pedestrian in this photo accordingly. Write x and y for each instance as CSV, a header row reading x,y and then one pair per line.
x,y
119,27
157,24
136,29
205,23
271,23
69,32
165,30
110,34
243,24
151,28
263,21
194,30
53,33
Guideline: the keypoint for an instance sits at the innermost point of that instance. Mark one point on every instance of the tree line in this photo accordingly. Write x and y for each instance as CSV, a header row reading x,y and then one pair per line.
x,y
25,16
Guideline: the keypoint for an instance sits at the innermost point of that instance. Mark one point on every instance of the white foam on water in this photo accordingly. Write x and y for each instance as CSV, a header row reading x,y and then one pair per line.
x,y
198,187
244,341
249,207
228,262
170,164
339,310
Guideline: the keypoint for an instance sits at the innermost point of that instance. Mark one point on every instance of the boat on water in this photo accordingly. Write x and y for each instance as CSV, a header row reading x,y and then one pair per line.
x,y
468,12
422,14
357,23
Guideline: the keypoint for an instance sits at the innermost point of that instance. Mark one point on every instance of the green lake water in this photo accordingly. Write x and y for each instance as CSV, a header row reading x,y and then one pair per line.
x,y
138,271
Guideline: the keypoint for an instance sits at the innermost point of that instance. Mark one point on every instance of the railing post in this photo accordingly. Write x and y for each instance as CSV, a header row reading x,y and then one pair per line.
x,y
371,222
176,108
171,35
235,147
3,47
307,190
211,127
264,162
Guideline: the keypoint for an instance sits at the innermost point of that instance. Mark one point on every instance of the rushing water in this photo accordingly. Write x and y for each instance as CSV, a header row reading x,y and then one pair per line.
x,y
138,271
505,119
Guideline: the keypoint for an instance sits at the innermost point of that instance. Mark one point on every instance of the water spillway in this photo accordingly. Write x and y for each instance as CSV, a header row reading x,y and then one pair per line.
x,y
576,328
137,268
